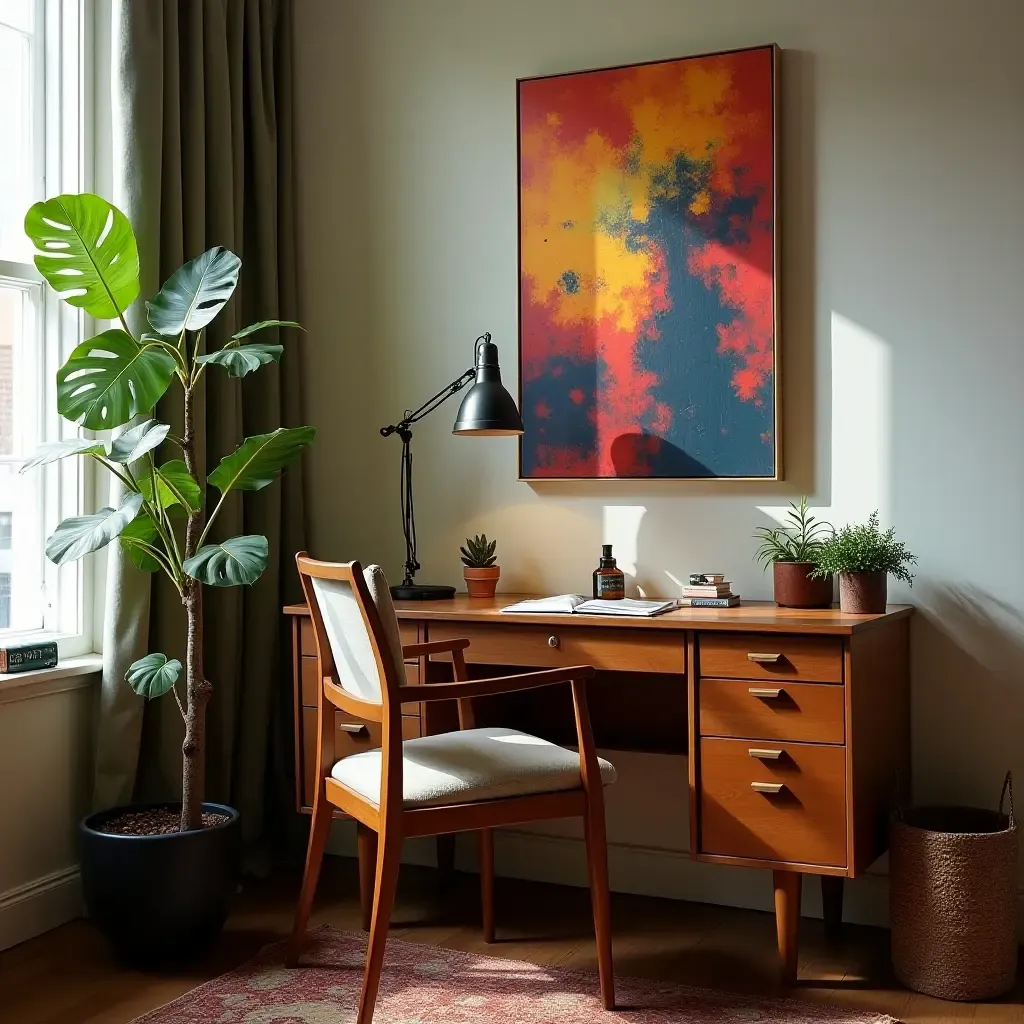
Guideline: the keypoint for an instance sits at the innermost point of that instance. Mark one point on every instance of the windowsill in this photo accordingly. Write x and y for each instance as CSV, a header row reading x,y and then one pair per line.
x,y
67,674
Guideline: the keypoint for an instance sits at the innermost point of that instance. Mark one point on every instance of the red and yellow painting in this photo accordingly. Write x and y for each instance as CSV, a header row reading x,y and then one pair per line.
x,y
647,218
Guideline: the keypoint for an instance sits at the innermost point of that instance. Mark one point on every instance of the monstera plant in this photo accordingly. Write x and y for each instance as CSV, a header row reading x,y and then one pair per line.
x,y
87,252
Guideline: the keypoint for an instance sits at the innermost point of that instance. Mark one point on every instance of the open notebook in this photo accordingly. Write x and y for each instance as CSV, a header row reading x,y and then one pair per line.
x,y
569,604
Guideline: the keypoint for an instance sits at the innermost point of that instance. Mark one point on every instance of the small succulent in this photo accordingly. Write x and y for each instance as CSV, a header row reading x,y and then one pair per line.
x,y
479,552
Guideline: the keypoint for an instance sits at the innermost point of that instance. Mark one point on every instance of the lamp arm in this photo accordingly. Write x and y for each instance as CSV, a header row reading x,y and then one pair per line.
x,y
430,404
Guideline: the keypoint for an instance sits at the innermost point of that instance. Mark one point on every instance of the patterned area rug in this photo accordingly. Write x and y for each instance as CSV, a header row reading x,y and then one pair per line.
x,y
429,985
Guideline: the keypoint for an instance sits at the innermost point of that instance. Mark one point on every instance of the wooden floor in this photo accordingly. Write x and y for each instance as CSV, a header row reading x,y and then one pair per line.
x,y
67,976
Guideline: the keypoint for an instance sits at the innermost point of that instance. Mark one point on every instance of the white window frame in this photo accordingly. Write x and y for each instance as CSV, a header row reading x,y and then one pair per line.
x,y
63,94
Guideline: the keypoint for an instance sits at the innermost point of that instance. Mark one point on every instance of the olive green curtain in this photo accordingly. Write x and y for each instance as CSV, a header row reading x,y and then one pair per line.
x,y
209,161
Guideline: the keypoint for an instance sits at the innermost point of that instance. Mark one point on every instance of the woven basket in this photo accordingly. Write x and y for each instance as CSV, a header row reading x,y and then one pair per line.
x,y
953,900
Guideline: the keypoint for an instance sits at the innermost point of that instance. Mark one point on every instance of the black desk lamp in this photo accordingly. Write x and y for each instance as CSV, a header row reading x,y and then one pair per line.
x,y
488,409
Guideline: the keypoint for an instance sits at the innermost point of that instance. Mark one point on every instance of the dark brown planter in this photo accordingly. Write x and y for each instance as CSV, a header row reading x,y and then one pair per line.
x,y
863,593
795,588
482,582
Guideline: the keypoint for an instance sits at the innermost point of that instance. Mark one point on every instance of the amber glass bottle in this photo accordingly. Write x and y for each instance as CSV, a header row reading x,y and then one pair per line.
x,y
609,580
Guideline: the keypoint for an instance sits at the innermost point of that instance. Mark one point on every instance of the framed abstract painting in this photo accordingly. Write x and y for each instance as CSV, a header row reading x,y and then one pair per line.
x,y
648,270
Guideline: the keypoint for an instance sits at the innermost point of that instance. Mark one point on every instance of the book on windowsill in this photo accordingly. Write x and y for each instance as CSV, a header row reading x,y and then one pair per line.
x,y
728,601
26,657
570,604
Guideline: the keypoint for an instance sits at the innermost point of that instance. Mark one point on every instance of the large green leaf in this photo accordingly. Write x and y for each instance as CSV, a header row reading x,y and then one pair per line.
x,y
195,293
243,359
175,486
259,460
54,450
81,534
262,325
153,675
110,379
139,532
228,564
137,441
238,359
87,252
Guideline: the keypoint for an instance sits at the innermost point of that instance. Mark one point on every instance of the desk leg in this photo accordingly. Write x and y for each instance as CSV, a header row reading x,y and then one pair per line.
x,y
832,905
446,857
787,920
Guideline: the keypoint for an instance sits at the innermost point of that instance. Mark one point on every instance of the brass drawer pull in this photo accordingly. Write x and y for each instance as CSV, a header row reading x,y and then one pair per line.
x,y
764,659
767,787
765,755
553,641
353,727
770,692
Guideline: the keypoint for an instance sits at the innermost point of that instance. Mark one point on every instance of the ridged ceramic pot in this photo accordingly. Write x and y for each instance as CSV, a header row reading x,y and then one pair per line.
x,y
863,593
482,582
795,588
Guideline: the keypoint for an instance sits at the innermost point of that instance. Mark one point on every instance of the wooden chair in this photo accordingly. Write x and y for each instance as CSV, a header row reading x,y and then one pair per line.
x,y
469,780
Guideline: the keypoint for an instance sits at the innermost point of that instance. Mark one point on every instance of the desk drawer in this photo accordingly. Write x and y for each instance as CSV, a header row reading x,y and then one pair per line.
x,y
816,659
803,822
782,710
307,639
616,650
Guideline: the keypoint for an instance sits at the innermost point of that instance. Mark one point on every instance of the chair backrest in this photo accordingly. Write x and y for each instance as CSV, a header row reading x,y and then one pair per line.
x,y
356,628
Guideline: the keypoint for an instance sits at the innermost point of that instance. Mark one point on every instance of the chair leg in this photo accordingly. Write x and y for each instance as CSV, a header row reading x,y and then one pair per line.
x,y
389,853
597,869
486,837
318,834
366,842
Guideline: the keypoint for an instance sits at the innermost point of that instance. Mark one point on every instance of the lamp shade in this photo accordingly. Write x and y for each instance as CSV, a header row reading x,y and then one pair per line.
x,y
488,408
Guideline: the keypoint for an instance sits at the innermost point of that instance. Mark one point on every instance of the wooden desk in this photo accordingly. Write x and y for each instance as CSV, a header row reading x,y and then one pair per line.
x,y
796,723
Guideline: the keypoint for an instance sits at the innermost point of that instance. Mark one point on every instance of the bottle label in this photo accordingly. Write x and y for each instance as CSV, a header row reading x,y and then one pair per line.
x,y
610,586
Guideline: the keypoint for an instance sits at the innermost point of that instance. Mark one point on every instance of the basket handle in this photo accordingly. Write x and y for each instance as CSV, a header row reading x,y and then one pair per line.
x,y
1007,790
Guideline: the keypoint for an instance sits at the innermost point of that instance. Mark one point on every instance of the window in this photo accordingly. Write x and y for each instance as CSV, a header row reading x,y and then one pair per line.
x,y
42,102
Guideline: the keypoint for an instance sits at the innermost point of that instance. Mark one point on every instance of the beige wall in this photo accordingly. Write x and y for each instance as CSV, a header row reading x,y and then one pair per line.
x,y
903,304
46,765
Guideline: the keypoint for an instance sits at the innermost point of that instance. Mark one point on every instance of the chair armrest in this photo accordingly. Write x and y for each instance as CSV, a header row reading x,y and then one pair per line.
x,y
487,687
434,647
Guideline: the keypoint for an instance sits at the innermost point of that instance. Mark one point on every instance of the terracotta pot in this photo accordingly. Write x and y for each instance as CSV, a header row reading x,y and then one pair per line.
x,y
482,582
863,593
794,587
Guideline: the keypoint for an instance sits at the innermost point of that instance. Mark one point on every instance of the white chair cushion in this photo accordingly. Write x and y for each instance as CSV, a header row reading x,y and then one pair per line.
x,y
470,765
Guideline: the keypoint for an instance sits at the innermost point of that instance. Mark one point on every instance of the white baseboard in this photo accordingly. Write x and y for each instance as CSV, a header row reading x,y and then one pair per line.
x,y
648,871
39,905
645,871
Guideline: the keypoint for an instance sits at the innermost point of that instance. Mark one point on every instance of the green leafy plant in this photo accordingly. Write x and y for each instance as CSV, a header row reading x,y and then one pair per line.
x,y
479,552
800,540
866,548
86,251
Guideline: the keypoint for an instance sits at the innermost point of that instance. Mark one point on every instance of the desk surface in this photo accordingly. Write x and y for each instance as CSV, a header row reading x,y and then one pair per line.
x,y
757,616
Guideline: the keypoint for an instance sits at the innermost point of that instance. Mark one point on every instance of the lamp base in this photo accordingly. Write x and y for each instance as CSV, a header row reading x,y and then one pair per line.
x,y
421,592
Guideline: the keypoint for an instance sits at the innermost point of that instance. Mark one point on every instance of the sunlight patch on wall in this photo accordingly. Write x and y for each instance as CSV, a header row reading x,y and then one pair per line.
x,y
621,529
861,427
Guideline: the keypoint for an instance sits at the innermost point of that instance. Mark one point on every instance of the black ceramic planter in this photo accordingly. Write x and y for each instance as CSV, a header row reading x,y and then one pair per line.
x,y
160,898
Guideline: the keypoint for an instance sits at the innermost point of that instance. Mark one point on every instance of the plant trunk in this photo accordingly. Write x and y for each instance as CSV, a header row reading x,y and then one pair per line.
x,y
197,689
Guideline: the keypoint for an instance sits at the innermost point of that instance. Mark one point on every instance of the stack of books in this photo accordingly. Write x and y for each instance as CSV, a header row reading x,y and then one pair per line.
x,y
709,590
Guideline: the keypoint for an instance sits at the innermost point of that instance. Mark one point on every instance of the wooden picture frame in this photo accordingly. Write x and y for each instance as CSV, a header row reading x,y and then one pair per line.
x,y
649,231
